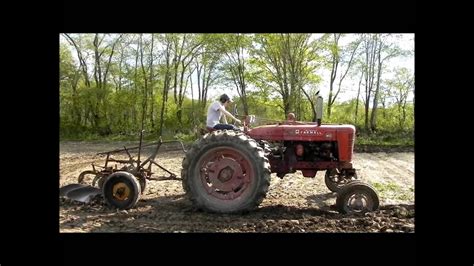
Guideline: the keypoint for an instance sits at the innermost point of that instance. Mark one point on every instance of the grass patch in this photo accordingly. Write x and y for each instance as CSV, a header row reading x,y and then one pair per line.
x,y
147,137
364,140
392,190
386,139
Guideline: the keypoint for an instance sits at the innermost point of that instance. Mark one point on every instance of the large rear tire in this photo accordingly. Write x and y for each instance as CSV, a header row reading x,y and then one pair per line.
x,y
226,172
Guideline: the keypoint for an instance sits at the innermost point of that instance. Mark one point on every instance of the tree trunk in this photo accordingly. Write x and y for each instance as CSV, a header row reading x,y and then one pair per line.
x,y
135,92
145,87
166,86
357,99
150,69
371,47
82,61
331,85
313,108
373,116
335,64
400,118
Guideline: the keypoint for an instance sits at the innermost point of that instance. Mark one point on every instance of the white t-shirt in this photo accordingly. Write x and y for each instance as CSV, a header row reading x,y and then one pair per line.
x,y
214,114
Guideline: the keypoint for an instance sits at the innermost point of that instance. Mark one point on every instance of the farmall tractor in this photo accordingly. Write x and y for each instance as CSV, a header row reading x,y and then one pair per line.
x,y
228,171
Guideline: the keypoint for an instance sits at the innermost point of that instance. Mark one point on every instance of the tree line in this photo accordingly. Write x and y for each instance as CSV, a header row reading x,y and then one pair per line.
x,y
118,83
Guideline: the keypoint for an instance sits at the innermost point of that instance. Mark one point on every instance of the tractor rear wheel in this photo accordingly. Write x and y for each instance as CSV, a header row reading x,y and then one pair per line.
x,y
357,197
121,190
226,172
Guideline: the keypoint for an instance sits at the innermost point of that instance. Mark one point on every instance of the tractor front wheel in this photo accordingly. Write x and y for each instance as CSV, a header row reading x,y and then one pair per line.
x,y
357,197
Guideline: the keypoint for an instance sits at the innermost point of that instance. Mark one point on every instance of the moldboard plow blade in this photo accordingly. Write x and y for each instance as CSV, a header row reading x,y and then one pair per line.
x,y
79,192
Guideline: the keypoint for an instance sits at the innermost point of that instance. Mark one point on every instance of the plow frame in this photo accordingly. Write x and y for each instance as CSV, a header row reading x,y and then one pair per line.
x,y
142,170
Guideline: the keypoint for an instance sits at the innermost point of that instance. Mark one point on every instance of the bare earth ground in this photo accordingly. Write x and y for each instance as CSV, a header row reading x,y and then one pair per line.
x,y
293,204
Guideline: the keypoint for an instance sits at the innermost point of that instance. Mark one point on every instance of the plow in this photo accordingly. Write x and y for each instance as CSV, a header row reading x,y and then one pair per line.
x,y
229,171
120,186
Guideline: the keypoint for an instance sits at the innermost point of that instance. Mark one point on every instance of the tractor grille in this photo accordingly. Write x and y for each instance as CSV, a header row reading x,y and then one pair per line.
x,y
350,147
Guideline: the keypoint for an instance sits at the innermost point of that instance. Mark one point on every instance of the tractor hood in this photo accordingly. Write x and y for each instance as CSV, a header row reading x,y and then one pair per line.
x,y
297,131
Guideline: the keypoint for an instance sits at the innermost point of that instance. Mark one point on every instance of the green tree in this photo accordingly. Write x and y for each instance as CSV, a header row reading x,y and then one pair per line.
x,y
340,56
401,85
287,63
206,64
385,51
235,48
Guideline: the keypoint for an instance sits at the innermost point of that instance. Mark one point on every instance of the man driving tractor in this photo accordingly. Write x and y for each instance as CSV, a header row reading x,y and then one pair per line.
x,y
216,111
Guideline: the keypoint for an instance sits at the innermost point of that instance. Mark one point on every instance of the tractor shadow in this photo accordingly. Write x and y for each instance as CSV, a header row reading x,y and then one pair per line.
x,y
324,201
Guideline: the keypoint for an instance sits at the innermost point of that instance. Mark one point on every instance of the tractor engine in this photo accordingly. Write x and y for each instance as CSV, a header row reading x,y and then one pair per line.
x,y
313,151
308,147
289,156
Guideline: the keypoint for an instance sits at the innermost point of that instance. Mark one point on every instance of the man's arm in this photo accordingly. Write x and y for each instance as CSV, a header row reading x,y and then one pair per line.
x,y
224,116
230,115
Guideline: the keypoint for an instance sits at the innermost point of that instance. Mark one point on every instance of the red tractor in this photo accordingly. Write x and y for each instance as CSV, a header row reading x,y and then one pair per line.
x,y
228,171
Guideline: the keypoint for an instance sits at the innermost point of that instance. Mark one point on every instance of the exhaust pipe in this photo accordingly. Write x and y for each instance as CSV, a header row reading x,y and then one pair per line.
x,y
319,109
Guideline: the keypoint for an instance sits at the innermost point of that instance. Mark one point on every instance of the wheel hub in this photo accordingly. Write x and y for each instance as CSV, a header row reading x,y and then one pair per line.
x,y
225,175
358,203
120,191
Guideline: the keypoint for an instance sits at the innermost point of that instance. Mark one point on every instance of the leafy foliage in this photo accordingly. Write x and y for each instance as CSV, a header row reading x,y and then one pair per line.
x,y
109,82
